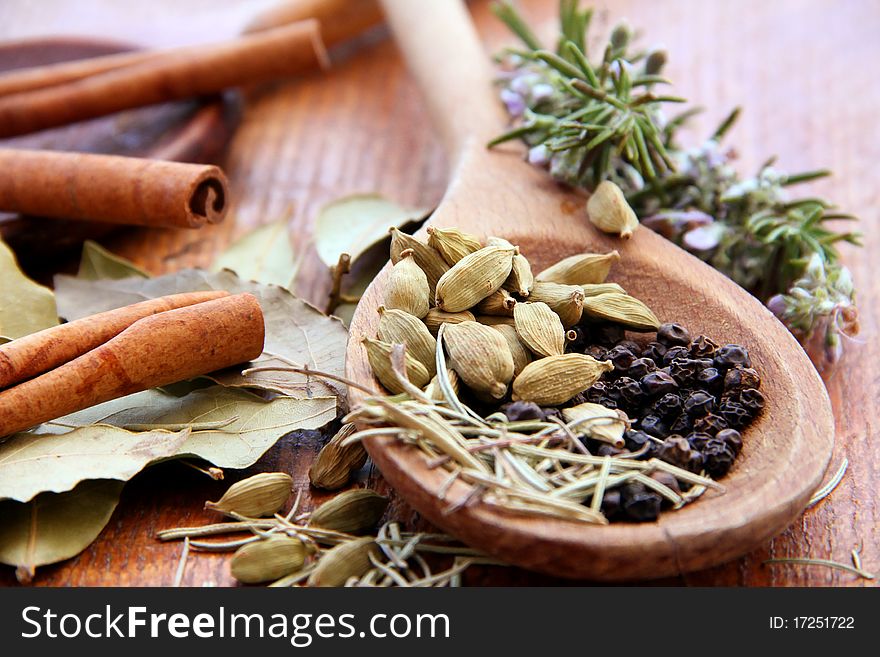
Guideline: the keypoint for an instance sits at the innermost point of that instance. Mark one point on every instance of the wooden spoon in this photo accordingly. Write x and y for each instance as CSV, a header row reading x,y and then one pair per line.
x,y
786,450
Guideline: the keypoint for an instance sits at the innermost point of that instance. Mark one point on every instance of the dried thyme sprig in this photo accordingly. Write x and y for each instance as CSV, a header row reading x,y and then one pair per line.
x,y
588,122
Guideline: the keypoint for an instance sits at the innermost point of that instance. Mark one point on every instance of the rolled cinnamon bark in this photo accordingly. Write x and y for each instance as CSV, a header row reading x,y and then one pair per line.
x,y
39,77
155,351
42,351
174,75
340,20
111,188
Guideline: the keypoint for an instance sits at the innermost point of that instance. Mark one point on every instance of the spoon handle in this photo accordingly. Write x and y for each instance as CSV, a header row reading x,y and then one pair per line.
x,y
443,51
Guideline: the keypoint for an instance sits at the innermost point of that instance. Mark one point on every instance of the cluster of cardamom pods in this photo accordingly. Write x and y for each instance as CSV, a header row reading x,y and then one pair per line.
x,y
272,555
503,329
336,544
593,122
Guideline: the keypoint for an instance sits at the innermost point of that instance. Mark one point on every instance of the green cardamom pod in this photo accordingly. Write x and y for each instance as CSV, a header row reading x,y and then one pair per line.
x,y
267,560
337,461
473,278
342,562
350,512
259,496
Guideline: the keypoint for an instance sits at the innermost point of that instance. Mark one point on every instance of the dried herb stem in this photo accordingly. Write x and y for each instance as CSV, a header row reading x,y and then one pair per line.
x,y
211,530
181,565
342,267
823,562
829,487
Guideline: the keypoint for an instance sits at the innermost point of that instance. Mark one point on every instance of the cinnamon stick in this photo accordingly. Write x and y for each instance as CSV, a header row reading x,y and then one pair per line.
x,y
158,350
184,73
340,20
111,188
40,352
39,77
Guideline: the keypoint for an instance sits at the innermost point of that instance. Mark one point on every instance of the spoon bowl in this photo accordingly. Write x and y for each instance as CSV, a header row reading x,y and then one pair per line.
x,y
786,450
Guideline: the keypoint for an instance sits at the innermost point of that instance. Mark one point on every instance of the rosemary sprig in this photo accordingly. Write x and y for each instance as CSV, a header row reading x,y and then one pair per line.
x,y
591,121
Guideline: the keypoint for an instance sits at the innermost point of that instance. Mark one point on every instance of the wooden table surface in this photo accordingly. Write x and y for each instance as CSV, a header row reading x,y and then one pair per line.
x,y
803,70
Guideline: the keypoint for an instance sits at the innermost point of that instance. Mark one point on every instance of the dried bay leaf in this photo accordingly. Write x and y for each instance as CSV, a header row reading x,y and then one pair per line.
x,y
352,224
242,426
263,255
97,262
25,306
55,526
32,463
295,330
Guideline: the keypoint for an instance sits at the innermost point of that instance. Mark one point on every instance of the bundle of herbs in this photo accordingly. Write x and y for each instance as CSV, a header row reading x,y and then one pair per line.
x,y
588,122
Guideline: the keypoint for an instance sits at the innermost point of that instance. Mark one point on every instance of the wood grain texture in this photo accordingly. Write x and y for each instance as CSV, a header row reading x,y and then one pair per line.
x,y
795,66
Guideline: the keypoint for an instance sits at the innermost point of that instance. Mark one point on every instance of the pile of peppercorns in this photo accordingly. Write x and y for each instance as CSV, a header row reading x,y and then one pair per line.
x,y
688,400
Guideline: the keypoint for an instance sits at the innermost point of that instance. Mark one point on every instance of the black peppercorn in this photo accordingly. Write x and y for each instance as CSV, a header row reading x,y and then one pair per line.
x,y
667,479
629,390
522,410
710,379
685,370
597,352
710,424
597,392
550,413
579,398
633,346
611,503
702,347
732,438
654,425
607,334
605,449
696,462
620,357
697,440
740,378
655,351
636,440
736,415
675,450
658,383
752,400
673,334
682,424
731,355
674,352
699,403
718,458
640,504
640,367
668,405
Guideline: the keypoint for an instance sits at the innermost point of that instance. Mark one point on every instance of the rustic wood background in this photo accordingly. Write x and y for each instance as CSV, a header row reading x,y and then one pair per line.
x,y
803,70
